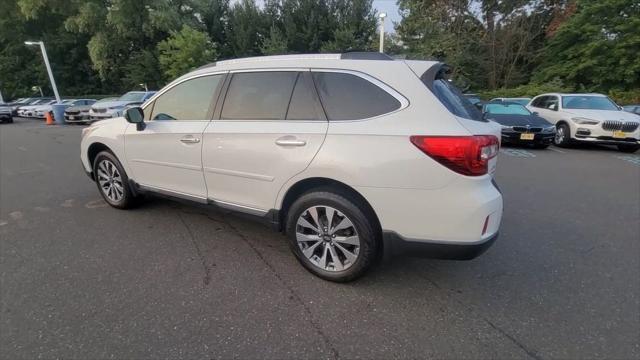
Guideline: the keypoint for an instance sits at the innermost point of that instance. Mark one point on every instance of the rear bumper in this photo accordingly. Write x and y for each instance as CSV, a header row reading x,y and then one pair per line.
x,y
396,245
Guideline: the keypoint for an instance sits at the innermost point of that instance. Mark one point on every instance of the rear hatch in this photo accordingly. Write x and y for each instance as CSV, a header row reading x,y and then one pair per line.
x,y
435,78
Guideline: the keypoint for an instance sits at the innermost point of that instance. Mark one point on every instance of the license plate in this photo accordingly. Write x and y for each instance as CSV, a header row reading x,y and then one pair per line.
x,y
72,117
619,134
527,136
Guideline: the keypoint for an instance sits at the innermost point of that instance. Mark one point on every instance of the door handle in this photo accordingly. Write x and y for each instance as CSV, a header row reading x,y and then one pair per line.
x,y
190,140
290,141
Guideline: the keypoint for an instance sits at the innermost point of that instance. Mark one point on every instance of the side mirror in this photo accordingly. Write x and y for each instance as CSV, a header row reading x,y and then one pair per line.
x,y
135,115
535,113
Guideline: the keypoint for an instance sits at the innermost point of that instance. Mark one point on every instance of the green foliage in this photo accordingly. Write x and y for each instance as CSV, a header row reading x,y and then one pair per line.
x,y
498,48
275,44
529,90
184,51
596,48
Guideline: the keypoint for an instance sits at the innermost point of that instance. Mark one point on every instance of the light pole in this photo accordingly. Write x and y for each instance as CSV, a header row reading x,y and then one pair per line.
x,y
46,63
382,15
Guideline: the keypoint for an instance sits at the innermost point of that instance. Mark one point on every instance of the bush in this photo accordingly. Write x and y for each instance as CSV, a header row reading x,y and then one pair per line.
x,y
528,90
621,97
625,97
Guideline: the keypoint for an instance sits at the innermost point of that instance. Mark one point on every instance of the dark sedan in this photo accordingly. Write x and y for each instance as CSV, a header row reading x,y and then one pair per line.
x,y
519,125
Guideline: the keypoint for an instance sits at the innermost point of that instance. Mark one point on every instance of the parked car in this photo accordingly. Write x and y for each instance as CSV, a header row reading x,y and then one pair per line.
x,y
41,110
522,101
635,109
29,110
111,109
79,113
590,118
519,125
15,106
350,155
5,114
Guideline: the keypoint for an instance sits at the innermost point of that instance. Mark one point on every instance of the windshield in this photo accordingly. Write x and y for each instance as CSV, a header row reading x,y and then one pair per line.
x,y
473,99
588,102
506,109
132,96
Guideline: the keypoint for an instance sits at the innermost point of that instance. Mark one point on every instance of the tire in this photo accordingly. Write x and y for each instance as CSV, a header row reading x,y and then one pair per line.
x,y
356,242
120,197
563,136
631,148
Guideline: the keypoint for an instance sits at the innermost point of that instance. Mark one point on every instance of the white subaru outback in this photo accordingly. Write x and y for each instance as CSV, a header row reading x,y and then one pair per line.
x,y
350,155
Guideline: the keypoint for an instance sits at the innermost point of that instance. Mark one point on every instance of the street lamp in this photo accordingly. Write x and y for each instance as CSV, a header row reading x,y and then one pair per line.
x,y
46,63
382,15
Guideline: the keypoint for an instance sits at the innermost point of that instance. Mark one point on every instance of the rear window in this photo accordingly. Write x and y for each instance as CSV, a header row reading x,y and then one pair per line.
x,y
453,99
350,97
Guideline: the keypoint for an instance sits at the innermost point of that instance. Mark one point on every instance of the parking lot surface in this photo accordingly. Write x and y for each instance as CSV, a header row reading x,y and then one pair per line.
x,y
79,279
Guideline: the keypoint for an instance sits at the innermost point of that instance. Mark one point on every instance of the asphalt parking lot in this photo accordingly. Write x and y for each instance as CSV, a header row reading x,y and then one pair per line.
x,y
79,279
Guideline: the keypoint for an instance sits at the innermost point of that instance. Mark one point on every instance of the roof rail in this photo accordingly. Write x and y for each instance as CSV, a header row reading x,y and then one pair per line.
x,y
363,55
207,66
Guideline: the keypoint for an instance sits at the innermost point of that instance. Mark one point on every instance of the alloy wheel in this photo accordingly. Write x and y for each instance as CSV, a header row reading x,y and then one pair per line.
x,y
110,181
327,238
559,135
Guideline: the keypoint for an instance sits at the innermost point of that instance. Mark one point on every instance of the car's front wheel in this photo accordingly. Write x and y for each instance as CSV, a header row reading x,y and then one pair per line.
x,y
112,181
563,136
333,236
630,148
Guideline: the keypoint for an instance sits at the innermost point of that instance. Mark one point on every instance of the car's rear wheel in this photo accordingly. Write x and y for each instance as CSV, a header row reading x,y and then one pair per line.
x,y
630,148
332,236
112,181
563,136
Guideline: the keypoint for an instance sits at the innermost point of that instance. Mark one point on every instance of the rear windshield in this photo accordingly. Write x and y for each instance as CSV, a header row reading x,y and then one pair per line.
x,y
588,102
453,99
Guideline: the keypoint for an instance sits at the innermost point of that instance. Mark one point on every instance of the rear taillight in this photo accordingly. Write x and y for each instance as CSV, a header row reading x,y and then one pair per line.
x,y
467,155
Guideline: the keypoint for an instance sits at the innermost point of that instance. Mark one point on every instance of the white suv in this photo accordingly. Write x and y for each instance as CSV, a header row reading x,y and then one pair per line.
x,y
588,118
351,155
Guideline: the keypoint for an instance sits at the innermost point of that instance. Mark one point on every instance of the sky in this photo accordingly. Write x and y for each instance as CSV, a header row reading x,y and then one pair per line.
x,y
391,8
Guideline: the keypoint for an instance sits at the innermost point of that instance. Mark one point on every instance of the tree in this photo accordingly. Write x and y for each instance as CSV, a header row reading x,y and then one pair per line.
x,y
446,31
246,29
596,48
275,44
184,51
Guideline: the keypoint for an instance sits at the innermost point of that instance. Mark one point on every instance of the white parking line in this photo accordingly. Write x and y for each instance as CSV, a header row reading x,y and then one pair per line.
x,y
517,153
633,159
556,150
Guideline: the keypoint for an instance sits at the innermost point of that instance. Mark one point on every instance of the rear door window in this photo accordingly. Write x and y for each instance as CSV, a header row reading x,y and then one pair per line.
x,y
259,95
350,97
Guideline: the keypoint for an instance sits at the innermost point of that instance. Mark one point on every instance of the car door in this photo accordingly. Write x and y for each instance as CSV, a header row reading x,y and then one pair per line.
x,y
552,108
268,129
539,105
166,155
